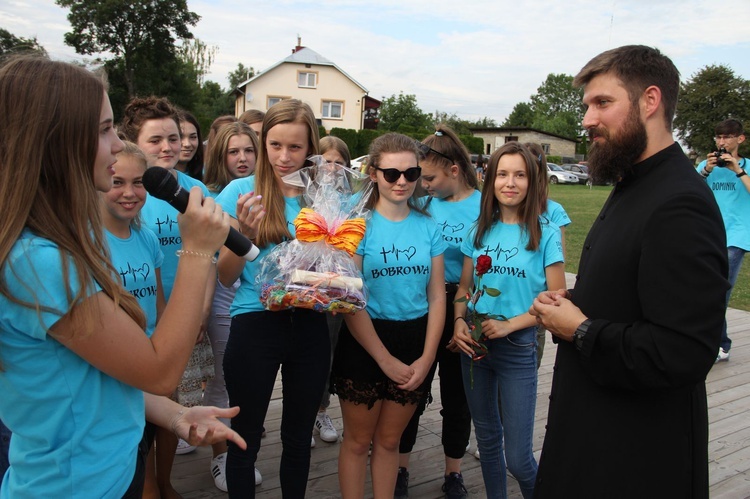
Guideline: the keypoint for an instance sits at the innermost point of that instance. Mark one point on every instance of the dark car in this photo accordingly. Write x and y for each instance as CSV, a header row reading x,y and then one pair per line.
x,y
580,171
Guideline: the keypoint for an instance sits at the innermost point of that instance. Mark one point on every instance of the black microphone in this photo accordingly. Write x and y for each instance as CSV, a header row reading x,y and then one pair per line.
x,y
160,183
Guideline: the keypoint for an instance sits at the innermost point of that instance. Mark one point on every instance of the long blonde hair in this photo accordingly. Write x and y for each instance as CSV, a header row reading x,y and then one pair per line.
x,y
216,175
49,124
273,227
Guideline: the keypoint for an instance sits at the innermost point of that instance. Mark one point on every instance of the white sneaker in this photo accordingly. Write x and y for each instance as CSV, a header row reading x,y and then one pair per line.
x,y
183,448
476,453
312,442
722,356
325,428
219,471
468,446
258,478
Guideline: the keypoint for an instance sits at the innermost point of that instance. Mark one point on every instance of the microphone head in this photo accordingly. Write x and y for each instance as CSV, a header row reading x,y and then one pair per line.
x,y
160,183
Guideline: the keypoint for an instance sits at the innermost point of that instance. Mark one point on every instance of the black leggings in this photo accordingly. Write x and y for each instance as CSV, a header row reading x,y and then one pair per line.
x,y
260,342
455,411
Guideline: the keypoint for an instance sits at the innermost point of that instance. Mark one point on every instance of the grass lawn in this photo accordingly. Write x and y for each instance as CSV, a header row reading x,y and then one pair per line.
x,y
583,205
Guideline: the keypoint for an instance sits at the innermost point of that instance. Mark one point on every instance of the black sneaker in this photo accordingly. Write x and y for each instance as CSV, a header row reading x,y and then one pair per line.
x,y
454,486
402,484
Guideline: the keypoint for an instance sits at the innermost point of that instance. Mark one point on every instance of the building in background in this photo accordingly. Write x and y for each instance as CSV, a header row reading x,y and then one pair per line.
x,y
337,99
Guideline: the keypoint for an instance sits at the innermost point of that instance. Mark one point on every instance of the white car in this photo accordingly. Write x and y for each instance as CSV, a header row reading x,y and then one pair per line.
x,y
359,163
556,175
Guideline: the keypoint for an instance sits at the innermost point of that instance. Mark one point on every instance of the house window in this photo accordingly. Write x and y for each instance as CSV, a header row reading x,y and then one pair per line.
x,y
511,138
333,109
307,80
272,101
545,148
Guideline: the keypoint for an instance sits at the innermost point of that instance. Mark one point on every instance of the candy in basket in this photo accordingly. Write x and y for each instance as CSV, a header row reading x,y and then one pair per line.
x,y
315,270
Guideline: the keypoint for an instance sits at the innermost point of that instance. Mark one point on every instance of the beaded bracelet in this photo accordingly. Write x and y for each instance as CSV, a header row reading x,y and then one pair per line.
x,y
180,253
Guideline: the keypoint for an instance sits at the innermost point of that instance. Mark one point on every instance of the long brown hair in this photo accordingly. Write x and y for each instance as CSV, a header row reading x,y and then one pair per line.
x,y
543,180
273,227
217,175
446,141
49,124
529,209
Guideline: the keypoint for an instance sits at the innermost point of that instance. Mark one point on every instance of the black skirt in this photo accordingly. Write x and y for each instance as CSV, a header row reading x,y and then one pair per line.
x,y
357,378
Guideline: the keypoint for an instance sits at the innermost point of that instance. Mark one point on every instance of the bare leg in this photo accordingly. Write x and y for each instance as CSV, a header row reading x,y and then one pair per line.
x,y
150,487
384,462
359,426
166,444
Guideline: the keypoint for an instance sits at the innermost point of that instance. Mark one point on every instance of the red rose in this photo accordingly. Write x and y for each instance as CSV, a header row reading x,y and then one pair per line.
x,y
484,263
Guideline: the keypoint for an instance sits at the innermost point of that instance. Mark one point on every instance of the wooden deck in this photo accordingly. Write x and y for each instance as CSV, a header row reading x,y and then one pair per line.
x,y
728,388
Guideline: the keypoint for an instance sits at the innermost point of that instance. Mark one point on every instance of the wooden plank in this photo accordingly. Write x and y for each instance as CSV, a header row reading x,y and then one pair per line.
x,y
727,384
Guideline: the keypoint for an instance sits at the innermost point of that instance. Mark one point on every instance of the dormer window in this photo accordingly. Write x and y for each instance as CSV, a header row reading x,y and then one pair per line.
x,y
307,80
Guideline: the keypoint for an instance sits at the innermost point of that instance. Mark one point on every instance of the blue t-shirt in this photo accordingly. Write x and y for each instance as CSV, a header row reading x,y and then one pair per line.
x,y
734,203
247,298
455,219
519,274
396,264
556,214
136,260
75,429
161,217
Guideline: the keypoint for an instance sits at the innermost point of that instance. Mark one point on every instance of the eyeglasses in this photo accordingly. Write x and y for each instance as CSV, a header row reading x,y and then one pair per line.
x,y
392,175
425,150
724,137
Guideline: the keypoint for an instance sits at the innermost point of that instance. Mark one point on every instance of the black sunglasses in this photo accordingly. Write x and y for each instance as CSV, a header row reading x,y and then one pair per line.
x,y
392,175
425,150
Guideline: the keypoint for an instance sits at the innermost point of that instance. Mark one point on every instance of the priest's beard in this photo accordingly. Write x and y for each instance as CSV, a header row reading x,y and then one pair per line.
x,y
611,158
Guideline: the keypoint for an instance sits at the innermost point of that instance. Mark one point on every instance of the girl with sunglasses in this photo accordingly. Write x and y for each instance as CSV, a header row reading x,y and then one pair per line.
x,y
386,351
453,201
527,258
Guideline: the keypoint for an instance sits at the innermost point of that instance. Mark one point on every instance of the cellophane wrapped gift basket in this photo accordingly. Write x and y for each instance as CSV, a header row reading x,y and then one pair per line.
x,y
316,270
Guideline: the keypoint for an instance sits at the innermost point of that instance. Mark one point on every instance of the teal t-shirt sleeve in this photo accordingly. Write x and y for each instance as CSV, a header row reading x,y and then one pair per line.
x,y
467,246
438,245
556,214
35,275
227,199
552,244
153,245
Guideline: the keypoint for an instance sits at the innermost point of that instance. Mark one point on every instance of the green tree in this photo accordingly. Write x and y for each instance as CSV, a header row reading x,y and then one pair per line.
x,y
485,122
522,115
557,106
213,101
198,56
10,43
240,75
134,31
401,113
712,94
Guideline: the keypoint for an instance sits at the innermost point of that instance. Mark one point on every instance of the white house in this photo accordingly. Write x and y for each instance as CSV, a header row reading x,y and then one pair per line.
x,y
337,99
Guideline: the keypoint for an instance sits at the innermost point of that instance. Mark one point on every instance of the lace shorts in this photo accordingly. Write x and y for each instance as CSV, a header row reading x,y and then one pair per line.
x,y
356,377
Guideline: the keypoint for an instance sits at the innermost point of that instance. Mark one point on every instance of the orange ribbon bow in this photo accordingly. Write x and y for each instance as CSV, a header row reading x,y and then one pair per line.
x,y
311,226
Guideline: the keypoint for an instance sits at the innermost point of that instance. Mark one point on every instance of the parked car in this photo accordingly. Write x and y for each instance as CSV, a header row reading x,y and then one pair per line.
x,y
557,175
360,163
580,171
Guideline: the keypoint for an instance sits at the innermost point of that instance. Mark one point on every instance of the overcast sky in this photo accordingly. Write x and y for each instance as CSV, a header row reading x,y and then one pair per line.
x,y
474,57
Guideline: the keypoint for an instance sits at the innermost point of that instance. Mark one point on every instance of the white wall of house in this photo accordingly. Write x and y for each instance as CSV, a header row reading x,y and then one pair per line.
x,y
333,93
